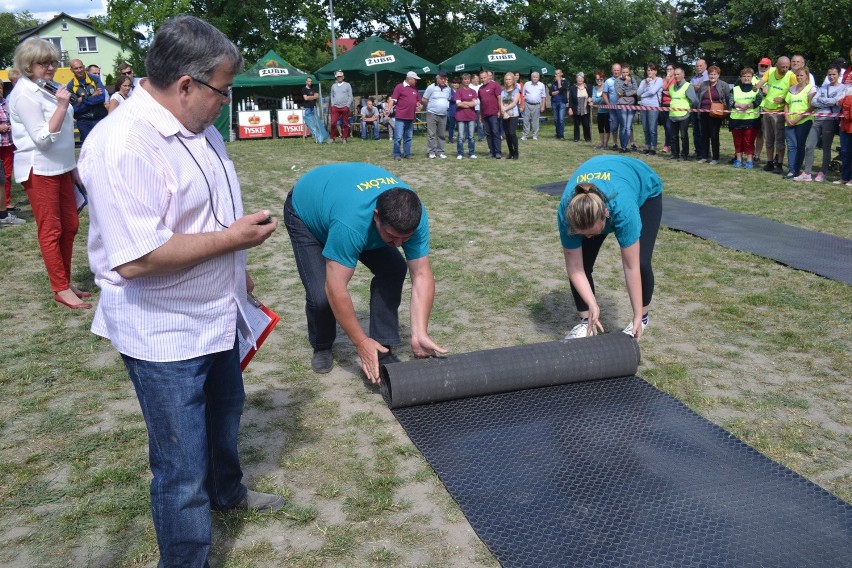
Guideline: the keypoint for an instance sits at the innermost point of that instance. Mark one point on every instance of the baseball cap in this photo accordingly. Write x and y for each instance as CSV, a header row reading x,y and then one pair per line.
x,y
412,75
442,73
765,61
338,73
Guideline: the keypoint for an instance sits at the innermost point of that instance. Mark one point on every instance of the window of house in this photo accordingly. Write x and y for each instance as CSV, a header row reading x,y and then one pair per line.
x,y
64,26
56,41
87,44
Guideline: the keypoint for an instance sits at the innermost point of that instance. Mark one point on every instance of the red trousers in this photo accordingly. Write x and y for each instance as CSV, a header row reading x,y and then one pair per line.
x,y
7,154
55,213
744,140
341,113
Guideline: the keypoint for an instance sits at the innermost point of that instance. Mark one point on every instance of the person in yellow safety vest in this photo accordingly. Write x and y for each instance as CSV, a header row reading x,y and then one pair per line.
x,y
744,120
683,100
777,81
799,121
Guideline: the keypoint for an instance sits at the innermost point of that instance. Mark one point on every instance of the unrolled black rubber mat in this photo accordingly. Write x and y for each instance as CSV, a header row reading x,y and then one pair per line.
x,y
612,472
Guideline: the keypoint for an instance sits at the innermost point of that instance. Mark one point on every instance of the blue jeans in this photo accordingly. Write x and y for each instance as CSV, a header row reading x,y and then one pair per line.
x,y
796,136
480,131
388,268
466,129
695,120
649,125
613,125
192,410
559,118
451,124
845,156
367,126
85,125
492,134
311,121
402,129
625,124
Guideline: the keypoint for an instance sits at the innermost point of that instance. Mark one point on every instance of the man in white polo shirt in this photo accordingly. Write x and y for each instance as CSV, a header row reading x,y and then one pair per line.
x,y
167,242
534,93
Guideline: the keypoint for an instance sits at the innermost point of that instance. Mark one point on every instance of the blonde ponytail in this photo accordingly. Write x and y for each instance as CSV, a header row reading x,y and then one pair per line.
x,y
587,207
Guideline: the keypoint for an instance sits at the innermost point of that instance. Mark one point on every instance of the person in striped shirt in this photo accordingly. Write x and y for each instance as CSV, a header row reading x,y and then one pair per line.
x,y
167,241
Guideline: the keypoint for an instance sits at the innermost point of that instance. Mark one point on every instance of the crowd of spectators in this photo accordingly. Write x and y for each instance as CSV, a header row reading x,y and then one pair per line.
x,y
779,107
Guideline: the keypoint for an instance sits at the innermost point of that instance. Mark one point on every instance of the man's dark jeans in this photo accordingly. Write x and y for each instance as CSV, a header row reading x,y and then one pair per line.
x,y
192,409
492,134
387,265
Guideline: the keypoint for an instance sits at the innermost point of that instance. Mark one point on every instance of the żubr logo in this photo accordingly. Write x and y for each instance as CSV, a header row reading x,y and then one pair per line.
x,y
379,58
460,67
272,72
501,54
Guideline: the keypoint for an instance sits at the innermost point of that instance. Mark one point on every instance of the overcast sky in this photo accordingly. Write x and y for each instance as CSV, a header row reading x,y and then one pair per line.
x,y
46,9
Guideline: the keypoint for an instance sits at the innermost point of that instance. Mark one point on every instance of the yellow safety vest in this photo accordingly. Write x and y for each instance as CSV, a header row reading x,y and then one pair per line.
x,y
680,103
798,103
776,88
742,98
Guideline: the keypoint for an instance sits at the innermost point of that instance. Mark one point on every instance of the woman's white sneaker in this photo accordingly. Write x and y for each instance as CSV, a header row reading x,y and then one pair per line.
x,y
629,329
579,330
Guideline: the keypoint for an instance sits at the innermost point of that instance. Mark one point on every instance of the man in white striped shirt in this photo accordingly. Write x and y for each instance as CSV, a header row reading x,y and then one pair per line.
x,y
167,242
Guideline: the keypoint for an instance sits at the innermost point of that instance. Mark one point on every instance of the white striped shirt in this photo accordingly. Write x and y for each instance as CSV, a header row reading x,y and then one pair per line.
x,y
144,185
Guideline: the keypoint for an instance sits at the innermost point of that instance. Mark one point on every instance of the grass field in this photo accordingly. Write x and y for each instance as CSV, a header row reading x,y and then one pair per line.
x,y
759,348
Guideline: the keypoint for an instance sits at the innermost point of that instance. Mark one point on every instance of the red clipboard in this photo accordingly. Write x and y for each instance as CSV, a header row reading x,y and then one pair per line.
x,y
262,322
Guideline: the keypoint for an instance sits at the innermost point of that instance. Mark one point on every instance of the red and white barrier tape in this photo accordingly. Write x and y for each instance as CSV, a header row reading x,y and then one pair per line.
x,y
660,108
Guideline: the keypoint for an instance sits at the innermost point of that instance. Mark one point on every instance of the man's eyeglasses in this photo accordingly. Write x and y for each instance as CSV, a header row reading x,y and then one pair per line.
x,y
52,63
226,94
127,73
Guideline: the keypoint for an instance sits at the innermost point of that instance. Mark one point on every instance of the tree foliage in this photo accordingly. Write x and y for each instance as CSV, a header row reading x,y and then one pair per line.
x,y
577,35
9,24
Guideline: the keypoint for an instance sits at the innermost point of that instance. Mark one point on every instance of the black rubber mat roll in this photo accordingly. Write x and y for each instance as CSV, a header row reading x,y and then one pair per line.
x,y
509,369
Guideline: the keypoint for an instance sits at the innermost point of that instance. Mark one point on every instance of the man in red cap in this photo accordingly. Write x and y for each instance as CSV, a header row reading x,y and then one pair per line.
x,y
762,67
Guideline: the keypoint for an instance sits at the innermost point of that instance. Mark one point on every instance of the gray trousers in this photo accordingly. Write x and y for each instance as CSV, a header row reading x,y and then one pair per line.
x,y
532,113
436,132
821,129
773,137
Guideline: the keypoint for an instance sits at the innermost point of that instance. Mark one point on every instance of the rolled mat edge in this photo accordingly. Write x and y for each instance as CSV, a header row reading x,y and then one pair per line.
x,y
506,369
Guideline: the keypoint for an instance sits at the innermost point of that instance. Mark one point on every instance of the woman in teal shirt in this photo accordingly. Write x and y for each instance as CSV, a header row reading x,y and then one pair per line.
x,y
610,194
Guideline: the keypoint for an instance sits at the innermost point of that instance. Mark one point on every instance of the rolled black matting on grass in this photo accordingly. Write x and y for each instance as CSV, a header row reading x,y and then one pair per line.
x,y
827,255
605,472
503,370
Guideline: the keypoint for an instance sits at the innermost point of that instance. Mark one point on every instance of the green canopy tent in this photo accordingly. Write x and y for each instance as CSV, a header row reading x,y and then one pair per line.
x,y
375,55
267,77
496,54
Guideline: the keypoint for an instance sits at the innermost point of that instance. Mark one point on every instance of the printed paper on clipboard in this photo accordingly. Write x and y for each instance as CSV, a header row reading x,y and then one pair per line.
x,y
262,321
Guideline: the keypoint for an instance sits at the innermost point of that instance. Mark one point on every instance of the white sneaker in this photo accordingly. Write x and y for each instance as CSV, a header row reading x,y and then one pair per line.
x,y
431,156
459,157
535,137
629,329
579,330
442,156
10,219
473,156
523,137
